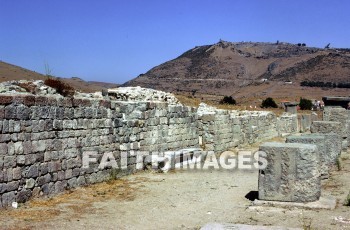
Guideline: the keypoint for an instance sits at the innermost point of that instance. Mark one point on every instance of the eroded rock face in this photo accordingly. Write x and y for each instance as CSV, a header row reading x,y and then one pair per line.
x,y
141,94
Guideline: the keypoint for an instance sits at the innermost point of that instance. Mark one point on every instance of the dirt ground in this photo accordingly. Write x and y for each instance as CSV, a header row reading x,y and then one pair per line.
x,y
176,200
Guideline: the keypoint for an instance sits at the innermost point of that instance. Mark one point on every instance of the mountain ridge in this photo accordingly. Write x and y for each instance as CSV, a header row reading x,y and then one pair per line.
x,y
226,68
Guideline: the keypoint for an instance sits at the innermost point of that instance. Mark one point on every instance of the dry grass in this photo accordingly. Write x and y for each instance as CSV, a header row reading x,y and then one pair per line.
x,y
75,202
189,100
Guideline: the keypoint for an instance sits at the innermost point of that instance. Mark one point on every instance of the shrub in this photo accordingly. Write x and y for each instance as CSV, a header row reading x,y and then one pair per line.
x,y
347,200
228,100
268,103
61,87
305,104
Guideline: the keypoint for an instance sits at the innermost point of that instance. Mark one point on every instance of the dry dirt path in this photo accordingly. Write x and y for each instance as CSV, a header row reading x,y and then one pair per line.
x,y
174,200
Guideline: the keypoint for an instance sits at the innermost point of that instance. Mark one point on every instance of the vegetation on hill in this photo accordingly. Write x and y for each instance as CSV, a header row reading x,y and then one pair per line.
x,y
305,104
228,100
269,103
322,84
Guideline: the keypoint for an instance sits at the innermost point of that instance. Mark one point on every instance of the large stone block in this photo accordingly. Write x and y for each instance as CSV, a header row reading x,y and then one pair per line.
x,y
336,114
319,140
328,127
292,172
305,122
333,147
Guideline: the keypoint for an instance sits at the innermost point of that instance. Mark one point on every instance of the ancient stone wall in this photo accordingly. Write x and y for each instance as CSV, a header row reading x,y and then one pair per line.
x,y
220,130
43,138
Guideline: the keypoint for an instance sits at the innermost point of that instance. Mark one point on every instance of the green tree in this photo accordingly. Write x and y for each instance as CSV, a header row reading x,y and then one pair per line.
x,y
228,100
305,104
268,103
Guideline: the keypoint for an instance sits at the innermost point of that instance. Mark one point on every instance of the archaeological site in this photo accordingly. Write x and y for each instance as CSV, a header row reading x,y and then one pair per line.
x,y
54,146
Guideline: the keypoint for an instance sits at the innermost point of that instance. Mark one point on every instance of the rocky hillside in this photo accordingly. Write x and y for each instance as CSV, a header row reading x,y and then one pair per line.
x,y
9,72
227,68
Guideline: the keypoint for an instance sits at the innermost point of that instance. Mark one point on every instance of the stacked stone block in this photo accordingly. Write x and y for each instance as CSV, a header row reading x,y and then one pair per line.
x,y
221,129
258,126
43,139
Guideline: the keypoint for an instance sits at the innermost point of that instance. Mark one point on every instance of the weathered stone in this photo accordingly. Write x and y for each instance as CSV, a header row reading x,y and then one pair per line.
x,y
54,166
3,149
36,192
319,140
72,183
23,195
23,112
60,186
9,161
10,112
8,198
38,146
68,173
81,181
32,171
48,188
43,180
327,127
333,146
292,172
27,147
3,188
21,159
13,185
18,148
30,159
17,173
30,183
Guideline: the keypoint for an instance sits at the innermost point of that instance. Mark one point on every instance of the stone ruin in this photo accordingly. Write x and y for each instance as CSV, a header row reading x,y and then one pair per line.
x,y
296,167
292,173
43,135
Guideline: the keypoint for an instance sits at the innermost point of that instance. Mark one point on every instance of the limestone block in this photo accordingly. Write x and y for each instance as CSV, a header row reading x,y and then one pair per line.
x,y
333,147
305,122
8,198
319,140
292,172
328,127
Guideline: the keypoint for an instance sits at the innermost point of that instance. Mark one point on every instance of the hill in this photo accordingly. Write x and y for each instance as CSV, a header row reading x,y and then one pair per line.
x,y
10,72
250,71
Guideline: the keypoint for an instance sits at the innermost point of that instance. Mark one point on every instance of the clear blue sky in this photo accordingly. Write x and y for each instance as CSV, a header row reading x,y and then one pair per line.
x,y
114,40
